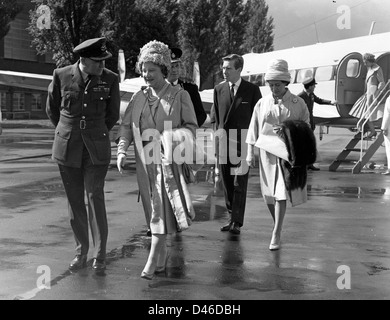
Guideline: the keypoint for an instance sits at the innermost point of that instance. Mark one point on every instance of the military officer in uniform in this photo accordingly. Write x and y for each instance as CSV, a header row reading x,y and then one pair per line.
x,y
191,88
309,84
83,104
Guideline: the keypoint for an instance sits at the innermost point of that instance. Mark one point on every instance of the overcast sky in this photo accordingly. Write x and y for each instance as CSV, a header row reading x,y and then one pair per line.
x,y
304,22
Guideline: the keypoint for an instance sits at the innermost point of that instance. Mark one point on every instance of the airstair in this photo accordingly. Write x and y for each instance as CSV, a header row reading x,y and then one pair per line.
x,y
366,148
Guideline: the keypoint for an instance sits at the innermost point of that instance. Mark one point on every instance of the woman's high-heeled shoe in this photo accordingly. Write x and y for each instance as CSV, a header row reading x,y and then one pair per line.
x,y
371,136
275,244
147,276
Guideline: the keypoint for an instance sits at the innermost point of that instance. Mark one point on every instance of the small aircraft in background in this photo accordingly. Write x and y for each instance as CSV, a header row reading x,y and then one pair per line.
x,y
337,67
340,73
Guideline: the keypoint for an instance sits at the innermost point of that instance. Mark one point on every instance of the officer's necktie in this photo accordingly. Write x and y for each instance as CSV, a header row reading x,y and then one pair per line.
x,y
232,93
87,80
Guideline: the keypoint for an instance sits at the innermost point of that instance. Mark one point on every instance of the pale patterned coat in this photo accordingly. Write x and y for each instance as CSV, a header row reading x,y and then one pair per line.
x,y
266,114
164,193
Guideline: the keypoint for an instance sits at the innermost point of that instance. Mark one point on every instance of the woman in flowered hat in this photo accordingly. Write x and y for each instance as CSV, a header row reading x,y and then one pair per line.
x,y
374,83
280,128
157,119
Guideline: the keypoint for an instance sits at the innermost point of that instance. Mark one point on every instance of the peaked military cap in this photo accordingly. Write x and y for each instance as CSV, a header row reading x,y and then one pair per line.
x,y
176,54
94,49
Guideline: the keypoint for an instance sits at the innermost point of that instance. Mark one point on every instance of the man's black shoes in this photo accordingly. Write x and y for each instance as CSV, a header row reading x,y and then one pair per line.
x,y
233,227
99,265
79,262
226,227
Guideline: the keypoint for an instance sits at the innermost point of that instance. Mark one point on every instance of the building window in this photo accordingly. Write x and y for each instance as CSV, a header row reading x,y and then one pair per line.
x,y
18,101
36,102
3,100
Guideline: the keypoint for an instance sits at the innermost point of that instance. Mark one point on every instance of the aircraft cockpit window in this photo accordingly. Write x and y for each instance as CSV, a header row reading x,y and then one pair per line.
x,y
325,73
304,73
353,68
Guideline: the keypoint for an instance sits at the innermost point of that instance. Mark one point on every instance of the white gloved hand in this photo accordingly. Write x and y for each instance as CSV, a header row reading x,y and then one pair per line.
x,y
120,162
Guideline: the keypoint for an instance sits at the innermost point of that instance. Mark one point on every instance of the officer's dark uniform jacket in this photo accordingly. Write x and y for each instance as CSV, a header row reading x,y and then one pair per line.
x,y
309,100
83,115
193,90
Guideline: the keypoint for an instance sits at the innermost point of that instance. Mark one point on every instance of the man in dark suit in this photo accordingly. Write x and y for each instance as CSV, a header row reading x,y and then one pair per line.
x,y
309,84
83,103
191,88
234,101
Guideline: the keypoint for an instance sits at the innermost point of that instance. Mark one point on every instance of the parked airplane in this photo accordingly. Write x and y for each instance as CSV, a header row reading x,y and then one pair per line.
x,y
337,67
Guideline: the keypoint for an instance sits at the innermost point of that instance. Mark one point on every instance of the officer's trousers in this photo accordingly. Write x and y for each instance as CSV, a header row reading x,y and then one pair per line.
x,y
80,182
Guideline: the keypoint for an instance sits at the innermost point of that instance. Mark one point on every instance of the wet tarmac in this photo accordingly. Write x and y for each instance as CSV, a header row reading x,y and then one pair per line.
x,y
334,247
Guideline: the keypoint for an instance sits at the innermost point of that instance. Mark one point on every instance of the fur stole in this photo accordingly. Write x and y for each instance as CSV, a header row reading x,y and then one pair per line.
x,y
301,146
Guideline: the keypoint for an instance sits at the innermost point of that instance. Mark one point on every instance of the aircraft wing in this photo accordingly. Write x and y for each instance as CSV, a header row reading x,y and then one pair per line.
x,y
25,80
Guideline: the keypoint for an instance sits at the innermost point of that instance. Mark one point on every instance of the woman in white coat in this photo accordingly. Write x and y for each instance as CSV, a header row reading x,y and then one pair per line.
x,y
270,111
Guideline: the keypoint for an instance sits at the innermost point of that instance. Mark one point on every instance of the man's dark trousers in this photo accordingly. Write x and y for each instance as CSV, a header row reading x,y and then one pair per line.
x,y
89,180
235,190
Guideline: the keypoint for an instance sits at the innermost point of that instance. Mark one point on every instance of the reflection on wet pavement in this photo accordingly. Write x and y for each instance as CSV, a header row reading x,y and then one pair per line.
x,y
346,192
204,263
22,195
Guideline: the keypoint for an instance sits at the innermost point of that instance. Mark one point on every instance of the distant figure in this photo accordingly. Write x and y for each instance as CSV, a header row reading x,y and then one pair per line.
x,y
191,88
232,109
83,103
374,83
282,162
309,97
385,127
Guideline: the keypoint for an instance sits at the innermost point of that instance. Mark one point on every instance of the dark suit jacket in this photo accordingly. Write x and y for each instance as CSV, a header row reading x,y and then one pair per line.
x,y
193,90
309,100
236,115
82,115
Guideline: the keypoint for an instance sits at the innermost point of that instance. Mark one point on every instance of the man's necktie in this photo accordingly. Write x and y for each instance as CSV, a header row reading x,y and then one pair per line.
x,y
87,80
232,93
